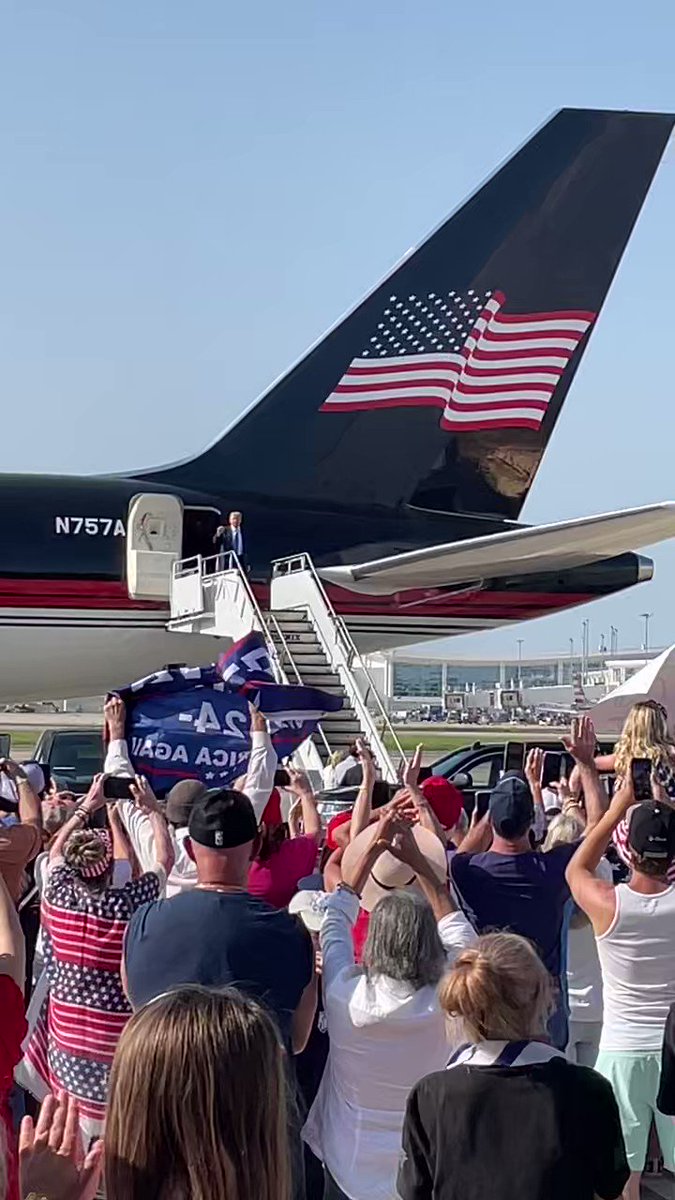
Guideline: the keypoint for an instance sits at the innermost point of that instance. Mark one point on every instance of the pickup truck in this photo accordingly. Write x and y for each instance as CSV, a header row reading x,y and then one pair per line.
x,y
74,756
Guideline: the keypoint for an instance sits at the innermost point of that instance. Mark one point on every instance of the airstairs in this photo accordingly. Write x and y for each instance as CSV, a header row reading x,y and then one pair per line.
x,y
308,643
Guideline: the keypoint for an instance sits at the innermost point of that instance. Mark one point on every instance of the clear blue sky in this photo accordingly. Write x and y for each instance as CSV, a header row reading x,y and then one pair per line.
x,y
191,193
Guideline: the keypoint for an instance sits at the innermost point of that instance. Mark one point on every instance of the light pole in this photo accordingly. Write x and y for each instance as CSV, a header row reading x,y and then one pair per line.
x,y
646,617
585,630
520,662
613,639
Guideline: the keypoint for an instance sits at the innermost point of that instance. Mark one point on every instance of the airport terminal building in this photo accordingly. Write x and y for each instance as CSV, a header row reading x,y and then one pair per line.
x,y
407,682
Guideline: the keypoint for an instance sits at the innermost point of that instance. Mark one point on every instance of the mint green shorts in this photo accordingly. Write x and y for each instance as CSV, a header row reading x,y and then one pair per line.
x,y
635,1080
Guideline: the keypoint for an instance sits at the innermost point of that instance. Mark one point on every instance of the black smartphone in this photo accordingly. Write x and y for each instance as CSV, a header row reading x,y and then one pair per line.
x,y
481,804
281,777
514,756
117,787
553,761
641,776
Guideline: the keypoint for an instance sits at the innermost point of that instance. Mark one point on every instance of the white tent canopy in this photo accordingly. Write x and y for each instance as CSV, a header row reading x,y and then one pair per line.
x,y
655,681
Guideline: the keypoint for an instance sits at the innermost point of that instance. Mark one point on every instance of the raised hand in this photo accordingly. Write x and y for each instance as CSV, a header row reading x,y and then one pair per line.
x,y
258,721
114,712
412,770
406,803
51,1157
365,757
581,741
534,765
298,782
143,795
392,822
94,798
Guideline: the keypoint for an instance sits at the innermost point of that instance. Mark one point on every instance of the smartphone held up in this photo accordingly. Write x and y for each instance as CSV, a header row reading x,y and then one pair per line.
x,y
641,778
117,787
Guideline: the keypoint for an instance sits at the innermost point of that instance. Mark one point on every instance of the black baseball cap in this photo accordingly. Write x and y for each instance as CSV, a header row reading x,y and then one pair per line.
x,y
651,831
221,819
511,807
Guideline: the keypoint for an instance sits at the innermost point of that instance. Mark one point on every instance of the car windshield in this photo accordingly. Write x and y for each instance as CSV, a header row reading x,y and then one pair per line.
x,y
76,757
450,763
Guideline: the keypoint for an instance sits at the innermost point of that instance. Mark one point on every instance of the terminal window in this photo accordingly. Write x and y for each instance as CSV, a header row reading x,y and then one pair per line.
x,y
413,680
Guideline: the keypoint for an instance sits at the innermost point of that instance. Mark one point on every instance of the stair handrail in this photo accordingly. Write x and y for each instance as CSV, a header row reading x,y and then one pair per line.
x,y
229,561
298,676
305,563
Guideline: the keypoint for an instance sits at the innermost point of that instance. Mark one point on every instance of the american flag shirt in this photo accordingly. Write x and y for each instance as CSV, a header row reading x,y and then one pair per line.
x,y
73,1043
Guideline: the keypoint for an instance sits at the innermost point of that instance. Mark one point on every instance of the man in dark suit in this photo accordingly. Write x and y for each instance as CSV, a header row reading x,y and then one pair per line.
x,y
228,538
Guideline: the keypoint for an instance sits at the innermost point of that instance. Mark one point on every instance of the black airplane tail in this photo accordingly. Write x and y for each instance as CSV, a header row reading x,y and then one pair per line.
x,y
441,389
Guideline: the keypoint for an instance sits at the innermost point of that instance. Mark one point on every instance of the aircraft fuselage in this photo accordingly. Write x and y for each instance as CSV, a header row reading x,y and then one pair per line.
x,y
69,627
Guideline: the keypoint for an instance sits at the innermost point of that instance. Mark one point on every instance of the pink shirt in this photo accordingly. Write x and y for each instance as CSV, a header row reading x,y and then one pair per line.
x,y
276,879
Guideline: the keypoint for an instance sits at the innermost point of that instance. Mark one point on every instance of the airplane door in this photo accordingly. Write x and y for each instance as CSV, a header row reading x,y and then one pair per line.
x,y
154,544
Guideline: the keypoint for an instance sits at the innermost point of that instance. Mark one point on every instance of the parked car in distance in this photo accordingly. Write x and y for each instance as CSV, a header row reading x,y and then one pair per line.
x,y
73,756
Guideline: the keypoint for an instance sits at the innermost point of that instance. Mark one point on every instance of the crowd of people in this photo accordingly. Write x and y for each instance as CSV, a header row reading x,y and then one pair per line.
x,y
212,997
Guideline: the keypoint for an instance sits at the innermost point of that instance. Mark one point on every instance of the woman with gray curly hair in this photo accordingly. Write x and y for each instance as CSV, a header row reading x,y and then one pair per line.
x,y
384,1021
84,920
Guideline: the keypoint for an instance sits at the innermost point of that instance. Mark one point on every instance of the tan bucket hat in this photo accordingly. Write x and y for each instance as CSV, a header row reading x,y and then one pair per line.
x,y
389,874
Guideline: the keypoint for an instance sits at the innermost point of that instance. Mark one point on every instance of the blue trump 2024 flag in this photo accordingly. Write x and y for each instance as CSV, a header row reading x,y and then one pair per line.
x,y
194,722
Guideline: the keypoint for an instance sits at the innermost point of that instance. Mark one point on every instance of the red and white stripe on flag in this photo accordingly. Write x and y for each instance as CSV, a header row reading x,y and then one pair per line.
x,y
504,376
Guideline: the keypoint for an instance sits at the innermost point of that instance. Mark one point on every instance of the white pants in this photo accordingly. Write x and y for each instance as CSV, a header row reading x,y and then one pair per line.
x,y
584,1042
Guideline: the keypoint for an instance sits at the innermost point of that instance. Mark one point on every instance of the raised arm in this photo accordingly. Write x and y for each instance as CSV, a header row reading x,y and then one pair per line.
x,y
117,761
147,802
93,800
418,801
405,848
262,764
596,896
342,906
363,807
581,745
479,837
302,788
30,812
534,764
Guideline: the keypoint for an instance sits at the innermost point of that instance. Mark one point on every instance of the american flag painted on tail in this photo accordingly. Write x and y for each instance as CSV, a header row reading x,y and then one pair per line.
x,y
483,367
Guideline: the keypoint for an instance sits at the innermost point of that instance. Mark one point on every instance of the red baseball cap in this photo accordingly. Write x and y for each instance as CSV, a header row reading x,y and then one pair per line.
x,y
444,799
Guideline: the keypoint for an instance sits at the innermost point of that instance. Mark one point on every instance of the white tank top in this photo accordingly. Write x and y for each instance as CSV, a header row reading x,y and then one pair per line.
x,y
637,957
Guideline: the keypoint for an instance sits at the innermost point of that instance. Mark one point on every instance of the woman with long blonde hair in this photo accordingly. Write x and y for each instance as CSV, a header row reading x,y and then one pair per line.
x,y
197,1109
645,734
524,1121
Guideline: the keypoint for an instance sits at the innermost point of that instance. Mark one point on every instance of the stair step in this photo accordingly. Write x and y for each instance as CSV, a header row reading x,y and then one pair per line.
x,y
292,620
300,637
306,658
317,670
350,729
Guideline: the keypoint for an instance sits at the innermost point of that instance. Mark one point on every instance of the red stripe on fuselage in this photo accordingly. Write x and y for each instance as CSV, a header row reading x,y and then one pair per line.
x,y
70,593
88,595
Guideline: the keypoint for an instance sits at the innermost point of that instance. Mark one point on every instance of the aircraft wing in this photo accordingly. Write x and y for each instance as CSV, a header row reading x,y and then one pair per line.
x,y
516,552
